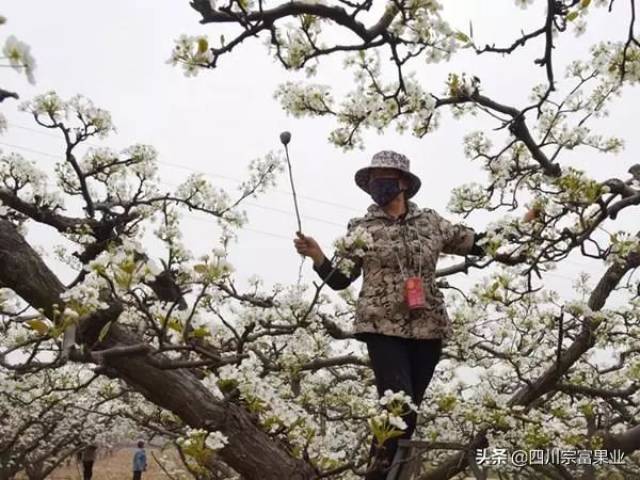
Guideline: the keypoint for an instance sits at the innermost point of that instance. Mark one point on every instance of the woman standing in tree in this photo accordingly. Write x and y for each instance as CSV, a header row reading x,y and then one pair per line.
x,y
400,313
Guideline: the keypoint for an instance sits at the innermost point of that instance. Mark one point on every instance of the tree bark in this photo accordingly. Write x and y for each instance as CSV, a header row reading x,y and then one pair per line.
x,y
627,442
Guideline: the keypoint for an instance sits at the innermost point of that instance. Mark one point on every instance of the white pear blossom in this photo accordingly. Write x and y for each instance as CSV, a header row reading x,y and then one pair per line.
x,y
397,422
390,397
216,440
355,243
30,184
198,191
468,197
85,297
299,100
96,120
263,173
192,52
19,55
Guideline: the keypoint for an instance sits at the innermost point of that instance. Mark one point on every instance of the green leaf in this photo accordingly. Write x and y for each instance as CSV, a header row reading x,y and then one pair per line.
x,y
227,385
128,266
585,3
572,16
307,21
200,332
200,268
463,37
39,326
104,330
203,45
454,83
174,325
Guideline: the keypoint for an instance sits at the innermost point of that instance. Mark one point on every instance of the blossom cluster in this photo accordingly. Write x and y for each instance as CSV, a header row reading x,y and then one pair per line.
x,y
192,52
199,438
19,55
622,245
300,99
52,110
355,243
198,192
263,174
21,177
213,268
351,246
388,422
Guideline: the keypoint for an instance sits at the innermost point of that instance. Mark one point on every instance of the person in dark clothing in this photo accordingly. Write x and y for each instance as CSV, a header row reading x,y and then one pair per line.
x,y
88,458
400,312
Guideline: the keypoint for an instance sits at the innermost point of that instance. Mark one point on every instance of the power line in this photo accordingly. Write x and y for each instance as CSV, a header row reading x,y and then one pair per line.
x,y
263,232
273,209
256,205
27,149
172,185
213,222
183,167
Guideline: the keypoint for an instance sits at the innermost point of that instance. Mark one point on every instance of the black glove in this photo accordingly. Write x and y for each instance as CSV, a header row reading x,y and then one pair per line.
x,y
476,249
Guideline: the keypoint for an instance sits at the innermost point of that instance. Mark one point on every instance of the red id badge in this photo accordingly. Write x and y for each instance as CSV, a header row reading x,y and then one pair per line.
x,y
414,293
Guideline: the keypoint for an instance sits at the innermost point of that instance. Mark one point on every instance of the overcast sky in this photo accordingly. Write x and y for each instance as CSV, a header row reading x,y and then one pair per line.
x,y
115,53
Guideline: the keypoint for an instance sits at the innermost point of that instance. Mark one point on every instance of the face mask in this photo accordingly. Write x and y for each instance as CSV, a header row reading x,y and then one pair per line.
x,y
384,189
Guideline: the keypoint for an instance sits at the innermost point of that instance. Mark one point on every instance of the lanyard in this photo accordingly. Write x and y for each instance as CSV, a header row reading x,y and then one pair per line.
x,y
395,251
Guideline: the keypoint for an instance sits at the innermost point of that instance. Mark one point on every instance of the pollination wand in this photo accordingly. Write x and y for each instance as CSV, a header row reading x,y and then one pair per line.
x,y
285,138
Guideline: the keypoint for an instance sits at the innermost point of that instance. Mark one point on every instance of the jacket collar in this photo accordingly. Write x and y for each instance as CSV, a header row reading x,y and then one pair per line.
x,y
375,211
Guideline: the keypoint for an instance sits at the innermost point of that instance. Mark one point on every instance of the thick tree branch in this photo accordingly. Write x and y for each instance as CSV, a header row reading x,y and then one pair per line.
x,y
250,451
42,214
4,94
268,17
24,272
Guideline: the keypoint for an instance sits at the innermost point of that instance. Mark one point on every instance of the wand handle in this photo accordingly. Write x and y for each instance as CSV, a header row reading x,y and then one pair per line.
x,y
285,138
293,189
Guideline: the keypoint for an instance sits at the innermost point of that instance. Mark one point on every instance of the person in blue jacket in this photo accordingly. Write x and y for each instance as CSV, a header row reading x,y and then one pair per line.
x,y
139,461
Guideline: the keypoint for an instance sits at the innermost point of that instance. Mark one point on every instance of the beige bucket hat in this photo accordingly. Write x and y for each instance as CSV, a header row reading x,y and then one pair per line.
x,y
388,159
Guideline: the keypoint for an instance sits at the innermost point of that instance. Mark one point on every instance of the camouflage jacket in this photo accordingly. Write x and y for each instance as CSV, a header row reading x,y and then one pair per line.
x,y
417,237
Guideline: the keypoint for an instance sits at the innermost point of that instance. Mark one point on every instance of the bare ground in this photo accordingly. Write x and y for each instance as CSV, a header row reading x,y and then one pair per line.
x,y
116,467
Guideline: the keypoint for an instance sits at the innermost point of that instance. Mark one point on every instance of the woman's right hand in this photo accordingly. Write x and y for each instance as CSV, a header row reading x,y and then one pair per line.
x,y
308,247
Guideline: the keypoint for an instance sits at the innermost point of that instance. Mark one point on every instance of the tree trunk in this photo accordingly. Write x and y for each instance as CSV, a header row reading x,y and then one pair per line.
x,y
250,451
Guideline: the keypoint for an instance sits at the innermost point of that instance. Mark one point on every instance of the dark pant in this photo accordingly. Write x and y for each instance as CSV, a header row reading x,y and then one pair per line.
x,y
88,469
399,364
137,475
